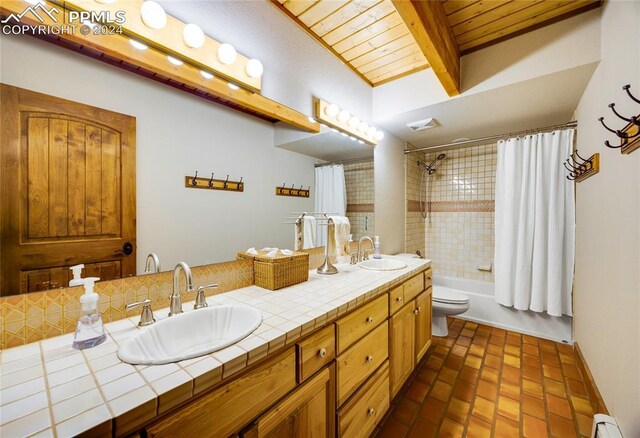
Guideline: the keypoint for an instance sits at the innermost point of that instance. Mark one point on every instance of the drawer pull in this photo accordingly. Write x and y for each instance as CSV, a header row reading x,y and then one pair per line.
x,y
371,411
399,299
416,311
419,308
370,320
322,352
369,359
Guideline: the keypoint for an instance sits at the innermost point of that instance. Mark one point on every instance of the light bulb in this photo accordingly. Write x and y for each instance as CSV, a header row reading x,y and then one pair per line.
x,y
379,135
332,110
153,15
227,54
354,122
363,127
344,116
193,36
254,68
174,61
233,86
138,45
371,132
206,74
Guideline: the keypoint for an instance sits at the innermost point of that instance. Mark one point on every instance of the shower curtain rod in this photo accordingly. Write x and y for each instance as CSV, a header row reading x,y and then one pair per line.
x,y
461,144
355,160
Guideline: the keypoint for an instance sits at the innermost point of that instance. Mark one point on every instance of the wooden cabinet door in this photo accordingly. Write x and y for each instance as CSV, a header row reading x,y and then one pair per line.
x,y
401,347
68,192
307,412
423,323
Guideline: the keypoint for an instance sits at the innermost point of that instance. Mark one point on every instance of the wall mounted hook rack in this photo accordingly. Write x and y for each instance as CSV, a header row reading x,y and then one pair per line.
x,y
196,182
580,168
292,191
629,135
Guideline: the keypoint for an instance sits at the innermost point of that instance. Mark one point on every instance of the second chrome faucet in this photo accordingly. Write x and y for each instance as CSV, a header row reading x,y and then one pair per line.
x,y
176,299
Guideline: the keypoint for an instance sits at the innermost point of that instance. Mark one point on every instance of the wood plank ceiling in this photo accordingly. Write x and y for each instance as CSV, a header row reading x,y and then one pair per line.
x,y
372,39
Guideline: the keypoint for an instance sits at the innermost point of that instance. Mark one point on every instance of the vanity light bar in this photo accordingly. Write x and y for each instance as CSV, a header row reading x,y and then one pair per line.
x,y
349,126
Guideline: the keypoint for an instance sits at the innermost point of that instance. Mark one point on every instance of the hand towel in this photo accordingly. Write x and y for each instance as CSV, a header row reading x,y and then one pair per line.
x,y
339,238
308,232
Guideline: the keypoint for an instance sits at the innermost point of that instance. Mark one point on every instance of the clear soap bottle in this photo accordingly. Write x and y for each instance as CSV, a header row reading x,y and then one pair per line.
x,y
376,248
90,329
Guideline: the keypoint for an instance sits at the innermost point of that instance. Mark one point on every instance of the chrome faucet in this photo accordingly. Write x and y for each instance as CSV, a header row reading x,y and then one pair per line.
x,y
363,256
152,260
176,300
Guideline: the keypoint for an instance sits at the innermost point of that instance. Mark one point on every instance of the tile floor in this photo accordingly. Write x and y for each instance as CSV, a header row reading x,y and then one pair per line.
x,y
482,381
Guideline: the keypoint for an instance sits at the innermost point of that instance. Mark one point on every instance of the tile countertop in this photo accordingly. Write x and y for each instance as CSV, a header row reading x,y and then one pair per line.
x,y
49,389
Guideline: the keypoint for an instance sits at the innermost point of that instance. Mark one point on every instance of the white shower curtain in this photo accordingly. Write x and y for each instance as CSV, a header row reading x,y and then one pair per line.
x,y
331,196
535,223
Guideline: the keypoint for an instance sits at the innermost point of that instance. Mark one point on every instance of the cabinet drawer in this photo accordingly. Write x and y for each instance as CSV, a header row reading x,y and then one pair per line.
x,y
413,286
428,278
396,299
315,352
364,411
228,408
361,360
358,323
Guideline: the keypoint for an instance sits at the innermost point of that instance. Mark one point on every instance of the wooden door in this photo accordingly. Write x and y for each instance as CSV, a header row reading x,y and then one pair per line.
x,y
423,323
68,192
305,413
401,353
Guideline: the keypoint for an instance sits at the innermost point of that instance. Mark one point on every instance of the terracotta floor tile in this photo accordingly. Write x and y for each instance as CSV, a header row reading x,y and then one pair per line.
x,y
464,341
458,410
417,390
510,389
440,351
512,361
487,390
532,373
554,387
572,372
576,387
476,350
492,361
480,340
585,423
562,428
496,340
532,388
427,375
464,391
405,411
533,406
392,428
568,359
468,332
453,362
529,340
552,372
469,375
510,374
447,375
531,349
459,350
451,429
512,349
473,361
483,408
530,359
435,363
433,410
490,375
423,429
559,406
478,428
582,405
550,359
506,427
533,427
509,408
495,349
441,391
483,331
471,325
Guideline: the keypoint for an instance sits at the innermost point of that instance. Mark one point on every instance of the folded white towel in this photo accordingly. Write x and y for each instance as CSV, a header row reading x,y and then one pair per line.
x,y
339,238
286,252
308,232
252,251
273,252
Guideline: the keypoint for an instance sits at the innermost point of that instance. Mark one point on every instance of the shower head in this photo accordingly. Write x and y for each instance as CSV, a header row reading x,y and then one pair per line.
x,y
431,167
441,157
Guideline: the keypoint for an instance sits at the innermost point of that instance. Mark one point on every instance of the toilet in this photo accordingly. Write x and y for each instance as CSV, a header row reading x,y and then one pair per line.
x,y
446,302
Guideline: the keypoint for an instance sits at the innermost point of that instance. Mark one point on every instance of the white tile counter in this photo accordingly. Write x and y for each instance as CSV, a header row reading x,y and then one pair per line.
x,y
49,389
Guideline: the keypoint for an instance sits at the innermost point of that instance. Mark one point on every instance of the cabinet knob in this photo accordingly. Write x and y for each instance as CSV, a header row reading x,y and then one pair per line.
x,y
371,411
322,352
399,299
369,359
416,311
370,320
419,308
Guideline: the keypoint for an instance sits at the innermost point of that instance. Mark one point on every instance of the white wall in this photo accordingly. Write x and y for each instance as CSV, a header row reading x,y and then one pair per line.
x,y
607,277
389,193
177,134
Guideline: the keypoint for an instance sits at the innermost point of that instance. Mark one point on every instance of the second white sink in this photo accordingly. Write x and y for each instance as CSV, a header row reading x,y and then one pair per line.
x,y
384,264
190,335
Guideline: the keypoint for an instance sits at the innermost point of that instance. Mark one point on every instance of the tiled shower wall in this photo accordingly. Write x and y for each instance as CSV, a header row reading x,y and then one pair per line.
x,y
360,198
414,226
459,228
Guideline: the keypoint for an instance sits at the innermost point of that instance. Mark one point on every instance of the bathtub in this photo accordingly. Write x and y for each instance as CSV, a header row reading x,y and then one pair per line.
x,y
484,310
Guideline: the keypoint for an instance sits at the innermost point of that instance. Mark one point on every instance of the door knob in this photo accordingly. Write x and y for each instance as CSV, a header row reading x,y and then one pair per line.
x,y
127,249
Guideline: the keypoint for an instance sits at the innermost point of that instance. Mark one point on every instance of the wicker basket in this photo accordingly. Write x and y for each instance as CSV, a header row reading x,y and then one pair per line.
x,y
277,272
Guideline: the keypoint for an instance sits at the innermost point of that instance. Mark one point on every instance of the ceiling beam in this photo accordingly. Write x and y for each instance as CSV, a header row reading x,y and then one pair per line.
x,y
428,24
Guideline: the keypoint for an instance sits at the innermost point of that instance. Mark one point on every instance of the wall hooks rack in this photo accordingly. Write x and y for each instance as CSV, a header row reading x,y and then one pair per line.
x,y
292,191
629,135
580,168
196,182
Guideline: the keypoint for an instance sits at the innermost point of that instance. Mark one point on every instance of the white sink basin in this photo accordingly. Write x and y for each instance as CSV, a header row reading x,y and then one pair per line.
x,y
383,264
190,335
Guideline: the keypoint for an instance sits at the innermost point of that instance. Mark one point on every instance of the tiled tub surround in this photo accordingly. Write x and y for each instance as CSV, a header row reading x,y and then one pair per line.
x,y
414,223
459,228
360,198
50,389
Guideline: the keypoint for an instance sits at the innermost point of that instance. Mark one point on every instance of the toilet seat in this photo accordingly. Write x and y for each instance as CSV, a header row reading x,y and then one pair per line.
x,y
448,296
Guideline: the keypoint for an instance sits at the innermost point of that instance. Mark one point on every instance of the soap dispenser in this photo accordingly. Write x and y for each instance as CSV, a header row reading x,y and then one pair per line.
x,y
77,276
90,330
376,248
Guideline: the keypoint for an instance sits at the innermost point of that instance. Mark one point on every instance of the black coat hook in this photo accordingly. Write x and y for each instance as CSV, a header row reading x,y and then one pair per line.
x,y
211,180
616,132
240,182
226,182
193,181
635,120
626,88
623,142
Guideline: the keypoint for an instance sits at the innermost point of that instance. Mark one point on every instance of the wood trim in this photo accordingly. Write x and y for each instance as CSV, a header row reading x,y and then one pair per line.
x,y
427,22
597,402
153,63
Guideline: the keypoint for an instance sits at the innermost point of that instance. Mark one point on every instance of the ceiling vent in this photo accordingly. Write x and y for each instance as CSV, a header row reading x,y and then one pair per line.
x,y
421,125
